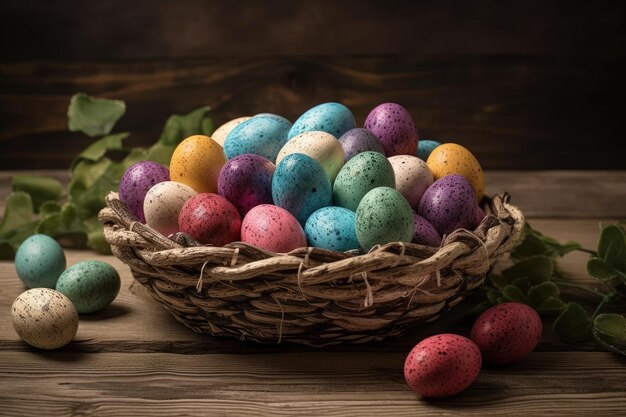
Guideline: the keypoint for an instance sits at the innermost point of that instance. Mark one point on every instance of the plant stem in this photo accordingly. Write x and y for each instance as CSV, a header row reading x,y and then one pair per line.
x,y
589,251
580,287
607,299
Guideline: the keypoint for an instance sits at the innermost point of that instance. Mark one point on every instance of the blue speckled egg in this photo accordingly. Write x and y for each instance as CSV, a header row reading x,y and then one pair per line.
x,y
383,216
333,118
425,233
260,135
332,228
425,147
394,127
362,173
90,285
300,186
136,182
40,261
275,116
359,140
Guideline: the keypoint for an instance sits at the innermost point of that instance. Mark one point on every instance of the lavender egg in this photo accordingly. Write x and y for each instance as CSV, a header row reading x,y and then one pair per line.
x,y
449,204
246,181
425,233
358,140
394,127
136,182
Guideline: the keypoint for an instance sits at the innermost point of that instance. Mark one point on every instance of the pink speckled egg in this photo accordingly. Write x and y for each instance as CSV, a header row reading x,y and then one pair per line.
x,y
425,233
246,181
136,182
210,219
394,127
442,365
412,177
272,228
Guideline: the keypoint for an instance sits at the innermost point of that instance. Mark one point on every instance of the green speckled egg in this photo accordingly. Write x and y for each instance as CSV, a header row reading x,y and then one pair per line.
x,y
39,261
362,173
91,285
383,216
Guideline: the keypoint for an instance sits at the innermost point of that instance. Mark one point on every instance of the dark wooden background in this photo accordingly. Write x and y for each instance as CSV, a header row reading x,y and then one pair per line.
x,y
525,85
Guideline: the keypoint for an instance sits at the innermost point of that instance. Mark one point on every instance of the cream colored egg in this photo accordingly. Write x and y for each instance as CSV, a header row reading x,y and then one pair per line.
x,y
221,132
44,318
413,177
163,203
321,146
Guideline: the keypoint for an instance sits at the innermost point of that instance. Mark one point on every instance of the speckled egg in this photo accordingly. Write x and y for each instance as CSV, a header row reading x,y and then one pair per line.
x,y
197,162
221,132
394,127
321,146
136,182
210,219
301,186
451,158
449,204
39,261
261,135
272,228
276,116
163,203
332,228
425,147
44,318
412,177
90,285
358,140
246,181
479,215
383,216
333,118
425,233
359,175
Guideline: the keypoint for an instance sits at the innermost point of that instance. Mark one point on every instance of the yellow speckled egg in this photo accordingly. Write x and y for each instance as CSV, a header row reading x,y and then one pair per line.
x,y
321,146
221,132
197,162
451,158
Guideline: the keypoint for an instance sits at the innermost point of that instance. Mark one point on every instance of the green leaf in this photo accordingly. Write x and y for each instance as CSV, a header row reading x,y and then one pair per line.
x,y
600,269
514,294
551,307
17,224
100,147
539,294
492,296
95,236
612,246
609,330
49,208
537,269
522,283
160,153
65,226
39,187
573,325
93,116
497,280
535,243
179,127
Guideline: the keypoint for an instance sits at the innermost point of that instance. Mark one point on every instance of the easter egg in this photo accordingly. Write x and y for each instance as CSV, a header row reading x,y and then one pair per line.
x,y
136,182
383,216
275,116
301,186
451,158
261,135
359,175
39,261
90,285
210,219
163,203
359,140
272,228
333,118
196,162
425,233
394,127
425,147
412,177
479,215
332,228
321,146
219,136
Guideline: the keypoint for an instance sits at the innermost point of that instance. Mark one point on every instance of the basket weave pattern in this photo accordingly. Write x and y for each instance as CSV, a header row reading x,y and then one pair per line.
x,y
310,295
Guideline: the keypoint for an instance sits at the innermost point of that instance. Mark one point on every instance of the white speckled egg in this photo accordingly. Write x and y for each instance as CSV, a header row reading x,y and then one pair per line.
x,y
221,132
44,318
321,146
163,203
413,177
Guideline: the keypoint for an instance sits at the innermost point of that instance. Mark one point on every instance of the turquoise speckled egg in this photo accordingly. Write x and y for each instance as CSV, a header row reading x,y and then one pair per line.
x,y
425,147
383,216
364,172
300,186
333,118
332,228
40,261
91,285
260,135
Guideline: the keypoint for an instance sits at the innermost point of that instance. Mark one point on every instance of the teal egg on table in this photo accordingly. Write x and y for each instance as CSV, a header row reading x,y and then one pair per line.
x,y
383,216
39,261
90,285
332,228
260,135
333,118
425,147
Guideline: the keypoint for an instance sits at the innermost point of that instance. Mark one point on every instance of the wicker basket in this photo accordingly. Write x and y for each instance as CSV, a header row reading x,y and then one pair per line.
x,y
310,295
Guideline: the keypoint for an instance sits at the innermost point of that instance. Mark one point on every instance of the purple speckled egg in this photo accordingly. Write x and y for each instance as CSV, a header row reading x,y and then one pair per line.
x,y
479,215
449,204
359,140
394,127
425,233
136,182
246,181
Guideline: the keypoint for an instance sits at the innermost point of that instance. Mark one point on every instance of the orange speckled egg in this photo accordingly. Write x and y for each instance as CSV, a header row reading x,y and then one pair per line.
x,y
197,162
451,158
221,132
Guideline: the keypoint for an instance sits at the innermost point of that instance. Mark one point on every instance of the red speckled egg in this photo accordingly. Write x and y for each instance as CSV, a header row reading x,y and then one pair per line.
x,y
210,219
272,228
442,365
506,333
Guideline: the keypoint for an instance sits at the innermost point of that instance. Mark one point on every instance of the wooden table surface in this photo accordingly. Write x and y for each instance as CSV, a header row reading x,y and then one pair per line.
x,y
134,358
